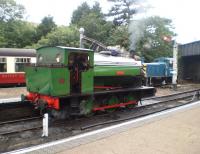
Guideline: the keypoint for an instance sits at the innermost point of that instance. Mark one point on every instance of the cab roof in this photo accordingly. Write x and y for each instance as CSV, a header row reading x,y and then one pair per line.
x,y
68,48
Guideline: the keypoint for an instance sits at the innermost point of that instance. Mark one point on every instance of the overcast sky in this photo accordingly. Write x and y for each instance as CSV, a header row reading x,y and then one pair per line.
x,y
184,13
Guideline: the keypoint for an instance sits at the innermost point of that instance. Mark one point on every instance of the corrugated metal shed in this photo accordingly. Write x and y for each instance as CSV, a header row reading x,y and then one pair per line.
x,y
189,68
17,52
189,49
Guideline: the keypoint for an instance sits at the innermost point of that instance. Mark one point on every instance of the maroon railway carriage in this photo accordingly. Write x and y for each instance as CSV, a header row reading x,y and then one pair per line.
x,y
12,62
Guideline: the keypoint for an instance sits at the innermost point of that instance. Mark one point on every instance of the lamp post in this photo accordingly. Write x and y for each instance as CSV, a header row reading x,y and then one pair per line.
x,y
81,30
175,68
175,61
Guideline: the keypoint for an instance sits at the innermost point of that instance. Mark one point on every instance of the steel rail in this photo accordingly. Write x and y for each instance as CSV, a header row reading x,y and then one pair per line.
x,y
20,120
21,130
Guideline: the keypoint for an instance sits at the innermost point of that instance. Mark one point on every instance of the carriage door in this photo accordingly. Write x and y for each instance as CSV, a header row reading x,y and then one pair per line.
x,y
80,77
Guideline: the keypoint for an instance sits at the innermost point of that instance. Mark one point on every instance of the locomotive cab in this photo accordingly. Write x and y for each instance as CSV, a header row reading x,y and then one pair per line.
x,y
80,69
61,71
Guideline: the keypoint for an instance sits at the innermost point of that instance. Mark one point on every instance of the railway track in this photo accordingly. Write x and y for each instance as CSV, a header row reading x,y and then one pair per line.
x,y
75,126
176,95
16,110
20,125
19,120
146,110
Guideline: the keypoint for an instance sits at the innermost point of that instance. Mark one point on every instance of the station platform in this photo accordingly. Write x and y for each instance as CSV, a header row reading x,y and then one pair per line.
x,y
178,133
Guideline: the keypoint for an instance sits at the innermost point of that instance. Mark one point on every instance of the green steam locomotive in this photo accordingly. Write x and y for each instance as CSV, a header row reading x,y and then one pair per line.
x,y
69,81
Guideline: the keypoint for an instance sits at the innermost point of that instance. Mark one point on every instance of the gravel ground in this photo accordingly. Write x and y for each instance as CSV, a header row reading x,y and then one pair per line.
x,y
17,91
167,90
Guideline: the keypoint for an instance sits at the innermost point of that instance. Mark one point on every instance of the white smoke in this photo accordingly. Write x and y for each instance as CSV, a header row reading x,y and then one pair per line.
x,y
137,27
136,30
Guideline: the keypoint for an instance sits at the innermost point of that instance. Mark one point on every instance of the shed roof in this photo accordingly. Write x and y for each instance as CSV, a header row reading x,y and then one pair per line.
x,y
190,49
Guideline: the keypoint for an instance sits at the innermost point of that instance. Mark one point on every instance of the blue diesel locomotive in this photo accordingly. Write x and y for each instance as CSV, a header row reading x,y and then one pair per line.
x,y
159,72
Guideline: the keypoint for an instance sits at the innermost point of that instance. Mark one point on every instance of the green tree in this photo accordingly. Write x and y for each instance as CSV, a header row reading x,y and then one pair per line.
x,y
119,36
122,11
80,12
84,10
17,34
47,25
61,36
96,27
93,21
149,40
96,9
10,10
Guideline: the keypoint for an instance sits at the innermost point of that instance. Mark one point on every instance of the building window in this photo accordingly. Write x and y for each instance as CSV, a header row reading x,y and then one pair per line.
x,y
20,63
3,65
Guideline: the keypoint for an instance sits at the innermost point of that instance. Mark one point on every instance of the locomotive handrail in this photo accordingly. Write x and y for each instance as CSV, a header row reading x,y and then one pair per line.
x,y
93,41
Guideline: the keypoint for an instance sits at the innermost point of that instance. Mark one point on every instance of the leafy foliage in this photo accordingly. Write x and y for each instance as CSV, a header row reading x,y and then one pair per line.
x,y
61,36
13,31
122,11
151,44
145,36
10,10
17,34
96,27
93,21
83,10
119,36
46,26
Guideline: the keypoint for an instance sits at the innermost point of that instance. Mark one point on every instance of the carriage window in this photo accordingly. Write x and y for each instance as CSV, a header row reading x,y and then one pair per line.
x,y
3,65
20,63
